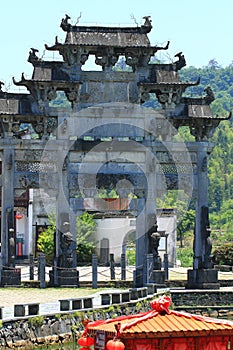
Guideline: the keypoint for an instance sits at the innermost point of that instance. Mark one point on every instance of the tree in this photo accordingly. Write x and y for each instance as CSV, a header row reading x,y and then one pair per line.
x,y
224,255
213,64
185,224
45,242
85,229
85,245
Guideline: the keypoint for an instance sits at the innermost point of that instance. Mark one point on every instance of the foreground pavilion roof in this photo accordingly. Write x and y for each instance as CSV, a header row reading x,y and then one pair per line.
x,y
161,322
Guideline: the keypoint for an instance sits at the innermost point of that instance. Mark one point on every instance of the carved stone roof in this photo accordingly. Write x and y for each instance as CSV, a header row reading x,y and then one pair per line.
x,y
107,37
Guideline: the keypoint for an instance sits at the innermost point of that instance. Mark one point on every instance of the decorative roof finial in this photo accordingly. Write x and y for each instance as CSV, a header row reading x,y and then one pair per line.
x,y
161,304
1,85
33,55
64,23
147,26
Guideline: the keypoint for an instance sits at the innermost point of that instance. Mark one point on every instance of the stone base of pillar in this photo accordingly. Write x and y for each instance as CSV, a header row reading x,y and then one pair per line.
x,y
151,288
66,278
138,277
159,278
203,279
10,277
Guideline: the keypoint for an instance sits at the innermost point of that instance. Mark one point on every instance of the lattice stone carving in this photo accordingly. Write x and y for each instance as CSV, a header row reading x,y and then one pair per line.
x,y
22,166
176,169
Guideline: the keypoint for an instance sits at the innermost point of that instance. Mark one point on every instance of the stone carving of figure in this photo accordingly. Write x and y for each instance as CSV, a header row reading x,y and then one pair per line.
x,y
67,245
1,85
209,95
205,232
181,62
64,22
11,250
11,239
147,26
154,239
32,55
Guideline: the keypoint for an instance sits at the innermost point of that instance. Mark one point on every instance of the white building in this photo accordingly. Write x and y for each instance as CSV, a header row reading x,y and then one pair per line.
x,y
112,235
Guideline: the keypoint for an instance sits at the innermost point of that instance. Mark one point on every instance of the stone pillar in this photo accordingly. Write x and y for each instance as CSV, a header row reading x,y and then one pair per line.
x,y
31,237
65,273
150,268
140,243
145,220
94,271
112,267
7,219
41,270
166,270
31,267
123,267
10,275
202,276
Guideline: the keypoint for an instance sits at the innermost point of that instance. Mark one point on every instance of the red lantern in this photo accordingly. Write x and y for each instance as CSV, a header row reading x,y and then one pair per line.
x,y
115,344
18,216
86,341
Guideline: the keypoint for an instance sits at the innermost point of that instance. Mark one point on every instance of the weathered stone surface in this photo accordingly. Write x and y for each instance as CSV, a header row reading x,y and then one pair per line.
x,y
55,327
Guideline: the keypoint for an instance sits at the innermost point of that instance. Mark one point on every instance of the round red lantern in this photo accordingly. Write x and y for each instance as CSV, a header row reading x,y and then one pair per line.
x,y
86,341
18,216
115,344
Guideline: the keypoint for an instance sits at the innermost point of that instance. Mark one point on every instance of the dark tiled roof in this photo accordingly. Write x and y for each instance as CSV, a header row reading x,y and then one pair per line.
x,y
106,38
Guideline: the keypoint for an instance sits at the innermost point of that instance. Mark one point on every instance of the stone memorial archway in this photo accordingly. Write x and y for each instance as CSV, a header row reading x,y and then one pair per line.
x,y
104,136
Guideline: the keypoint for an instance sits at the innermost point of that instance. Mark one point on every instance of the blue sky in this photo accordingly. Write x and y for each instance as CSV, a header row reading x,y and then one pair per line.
x,y
201,29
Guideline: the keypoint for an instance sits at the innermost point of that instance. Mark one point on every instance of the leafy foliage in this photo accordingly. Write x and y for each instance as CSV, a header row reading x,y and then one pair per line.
x,y
45,242
131,253
224,254
185,255
85,228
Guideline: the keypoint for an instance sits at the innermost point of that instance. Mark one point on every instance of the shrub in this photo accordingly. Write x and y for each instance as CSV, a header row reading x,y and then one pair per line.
x,y
224,255
185,255
45,243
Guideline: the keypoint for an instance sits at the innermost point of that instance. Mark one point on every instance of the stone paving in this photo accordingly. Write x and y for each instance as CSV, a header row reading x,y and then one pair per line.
x,y
48,298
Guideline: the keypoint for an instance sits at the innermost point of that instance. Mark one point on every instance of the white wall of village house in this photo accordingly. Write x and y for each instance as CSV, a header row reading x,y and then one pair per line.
x,y
116,230
22,233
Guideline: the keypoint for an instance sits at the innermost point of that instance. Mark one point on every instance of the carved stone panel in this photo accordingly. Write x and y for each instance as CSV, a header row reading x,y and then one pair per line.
x,y
100,92
26,180
9,106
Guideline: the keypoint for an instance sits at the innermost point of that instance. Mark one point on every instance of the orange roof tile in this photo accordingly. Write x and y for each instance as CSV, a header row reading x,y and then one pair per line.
x,y
163,323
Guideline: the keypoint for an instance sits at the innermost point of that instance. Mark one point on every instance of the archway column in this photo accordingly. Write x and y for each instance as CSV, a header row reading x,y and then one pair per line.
x,y
9,275
202,275
65,273
146,219
7,218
